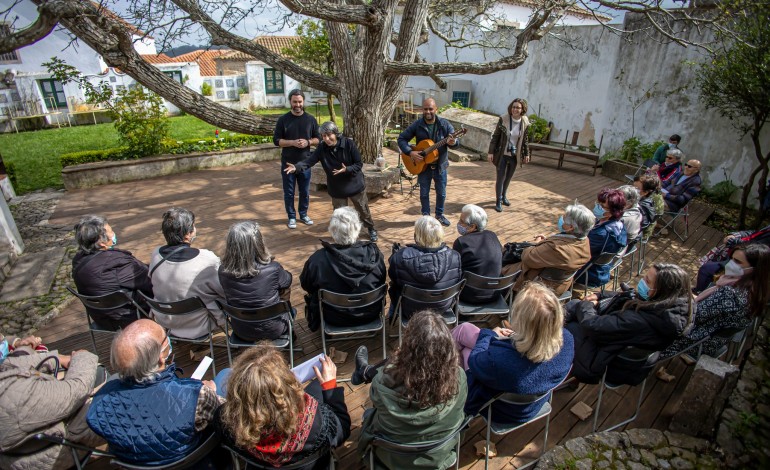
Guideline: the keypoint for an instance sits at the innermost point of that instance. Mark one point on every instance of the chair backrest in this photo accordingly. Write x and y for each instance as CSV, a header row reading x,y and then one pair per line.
x,y
353,301
319,454
556,275
727,333
488,283
429,296
179,307
604,258
417,448
107,302
254,315
188,461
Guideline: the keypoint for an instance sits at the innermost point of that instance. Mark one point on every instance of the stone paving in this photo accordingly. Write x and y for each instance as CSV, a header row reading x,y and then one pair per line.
x,y
31,213
635,449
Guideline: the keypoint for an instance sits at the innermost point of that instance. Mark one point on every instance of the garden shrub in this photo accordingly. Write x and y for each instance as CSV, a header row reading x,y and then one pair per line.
x,y
538,128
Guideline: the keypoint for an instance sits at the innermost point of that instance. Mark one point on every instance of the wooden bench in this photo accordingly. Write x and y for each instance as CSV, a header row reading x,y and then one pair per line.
x,y
564,150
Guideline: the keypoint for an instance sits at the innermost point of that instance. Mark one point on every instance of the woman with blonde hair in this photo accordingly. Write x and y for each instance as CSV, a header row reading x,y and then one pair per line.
x,y
530,358
268,416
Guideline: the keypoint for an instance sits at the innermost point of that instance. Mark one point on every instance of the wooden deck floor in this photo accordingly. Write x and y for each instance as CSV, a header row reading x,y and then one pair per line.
x,y
222,196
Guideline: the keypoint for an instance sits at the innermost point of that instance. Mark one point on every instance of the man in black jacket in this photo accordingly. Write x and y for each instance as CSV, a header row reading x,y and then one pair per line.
x,y
347,266
342,163
98,268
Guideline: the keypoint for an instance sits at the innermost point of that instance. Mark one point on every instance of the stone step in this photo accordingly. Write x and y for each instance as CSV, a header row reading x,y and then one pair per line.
x,y
6,263
463,155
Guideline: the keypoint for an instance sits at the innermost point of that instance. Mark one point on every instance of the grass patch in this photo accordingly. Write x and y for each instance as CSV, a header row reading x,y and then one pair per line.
x,y
34,156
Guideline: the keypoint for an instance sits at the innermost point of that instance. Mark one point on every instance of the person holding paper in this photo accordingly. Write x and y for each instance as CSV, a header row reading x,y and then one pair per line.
x,y
270,418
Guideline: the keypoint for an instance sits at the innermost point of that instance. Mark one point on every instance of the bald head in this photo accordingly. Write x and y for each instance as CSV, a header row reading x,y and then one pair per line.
x,y
692,167
429,110
137,350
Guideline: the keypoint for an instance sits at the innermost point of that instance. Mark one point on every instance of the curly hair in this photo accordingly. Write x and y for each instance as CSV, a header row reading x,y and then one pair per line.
x,y
263,396
426,362
615,200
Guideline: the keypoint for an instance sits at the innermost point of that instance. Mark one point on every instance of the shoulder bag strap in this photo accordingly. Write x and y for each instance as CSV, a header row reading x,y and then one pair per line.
x,y
163,260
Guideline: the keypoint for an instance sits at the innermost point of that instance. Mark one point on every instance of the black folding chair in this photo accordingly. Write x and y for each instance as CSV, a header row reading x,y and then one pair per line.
x,y
350,303
105,303
417,448
75,448
683,213
517,400
558,276
631,357
604,259
255,318
188,461
501,287
187,307
631,250
249,461
425,298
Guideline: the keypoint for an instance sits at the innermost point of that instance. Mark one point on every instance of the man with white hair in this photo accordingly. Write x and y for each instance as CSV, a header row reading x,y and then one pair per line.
x,y
426,264
149,416
347,266
342,163
671,168
479,249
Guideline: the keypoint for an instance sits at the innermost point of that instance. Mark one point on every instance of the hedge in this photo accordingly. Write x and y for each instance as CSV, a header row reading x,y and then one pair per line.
x,y
173,147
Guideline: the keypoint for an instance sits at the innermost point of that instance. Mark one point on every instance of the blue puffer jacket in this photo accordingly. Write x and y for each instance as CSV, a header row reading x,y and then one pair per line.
x,y
609,236
426,268
150,423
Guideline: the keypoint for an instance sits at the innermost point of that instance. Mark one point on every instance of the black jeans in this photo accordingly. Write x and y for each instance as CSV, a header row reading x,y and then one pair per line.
x,y
505,169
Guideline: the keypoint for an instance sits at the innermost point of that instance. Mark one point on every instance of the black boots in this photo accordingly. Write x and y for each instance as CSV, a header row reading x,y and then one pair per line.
x,y
362,363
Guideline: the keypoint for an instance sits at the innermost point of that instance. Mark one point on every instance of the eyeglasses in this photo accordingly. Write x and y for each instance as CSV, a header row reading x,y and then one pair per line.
x,y
517,107
690,166
670,158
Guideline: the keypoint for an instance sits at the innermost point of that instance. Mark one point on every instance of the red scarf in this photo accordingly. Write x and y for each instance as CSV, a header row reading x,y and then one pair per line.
x,y
276,449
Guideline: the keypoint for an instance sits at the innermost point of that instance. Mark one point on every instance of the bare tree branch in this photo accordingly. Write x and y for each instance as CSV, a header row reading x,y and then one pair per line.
x,y
329,11
49,15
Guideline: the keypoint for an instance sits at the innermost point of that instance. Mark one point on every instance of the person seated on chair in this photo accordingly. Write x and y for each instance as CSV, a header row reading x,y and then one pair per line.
x,y
715,260
180,271
100,268
418,396
677,192
671,168
651,320
632,216
251,279
737,298
269,418
480,251
651,203
426,264
530,358
148,415
660,153
566,250
347,266
607,236
34,401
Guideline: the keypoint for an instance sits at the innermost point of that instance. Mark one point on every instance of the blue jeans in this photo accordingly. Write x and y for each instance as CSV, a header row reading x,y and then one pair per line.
x,y
302,182
221,381
437,174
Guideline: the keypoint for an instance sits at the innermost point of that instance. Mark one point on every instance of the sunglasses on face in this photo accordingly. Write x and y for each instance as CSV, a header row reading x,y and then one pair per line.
x,y
689,166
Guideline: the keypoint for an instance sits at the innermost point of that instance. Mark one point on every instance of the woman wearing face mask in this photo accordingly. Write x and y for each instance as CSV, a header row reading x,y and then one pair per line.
x,y
566,250
479,249
509,144
607,236
733,302
652,321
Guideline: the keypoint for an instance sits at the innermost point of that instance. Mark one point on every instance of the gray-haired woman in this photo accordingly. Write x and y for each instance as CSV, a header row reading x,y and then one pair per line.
x,y
342,163
251,278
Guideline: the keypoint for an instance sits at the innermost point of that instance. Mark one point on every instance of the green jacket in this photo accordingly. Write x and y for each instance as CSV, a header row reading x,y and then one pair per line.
x,y
395,419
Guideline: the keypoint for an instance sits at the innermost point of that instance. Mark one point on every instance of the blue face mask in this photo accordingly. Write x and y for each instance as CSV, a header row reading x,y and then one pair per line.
x,y
671,145
461,229
114,239
561,223
4,350
643,290
599,211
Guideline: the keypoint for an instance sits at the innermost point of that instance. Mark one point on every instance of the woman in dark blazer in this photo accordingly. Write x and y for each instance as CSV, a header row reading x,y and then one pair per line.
x,y
509,144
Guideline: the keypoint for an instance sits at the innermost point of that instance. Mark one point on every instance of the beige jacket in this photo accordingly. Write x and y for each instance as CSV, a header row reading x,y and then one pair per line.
x,y
561,251
37,402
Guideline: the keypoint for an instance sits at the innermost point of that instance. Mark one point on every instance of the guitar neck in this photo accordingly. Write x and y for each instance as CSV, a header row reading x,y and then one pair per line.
x,y
438,144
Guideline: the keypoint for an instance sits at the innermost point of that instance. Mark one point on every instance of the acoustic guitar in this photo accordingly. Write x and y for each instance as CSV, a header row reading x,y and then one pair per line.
x,y
429,152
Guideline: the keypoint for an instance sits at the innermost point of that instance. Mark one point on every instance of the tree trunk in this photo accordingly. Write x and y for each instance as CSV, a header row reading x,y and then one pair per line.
x,y
330,106
763,159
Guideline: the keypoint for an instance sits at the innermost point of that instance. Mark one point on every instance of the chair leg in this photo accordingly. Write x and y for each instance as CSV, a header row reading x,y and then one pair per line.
x,y
489,440
229,355
213,359
384,341
93,341
636,412
599,401
323,339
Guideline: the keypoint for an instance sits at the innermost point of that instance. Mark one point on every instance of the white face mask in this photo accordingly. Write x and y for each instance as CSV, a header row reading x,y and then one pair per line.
x,y
732,268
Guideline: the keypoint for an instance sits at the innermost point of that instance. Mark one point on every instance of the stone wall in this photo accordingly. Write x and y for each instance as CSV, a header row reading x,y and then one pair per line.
x,y
89,175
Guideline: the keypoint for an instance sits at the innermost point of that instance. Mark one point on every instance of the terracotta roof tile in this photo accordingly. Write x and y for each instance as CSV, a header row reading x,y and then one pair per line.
x,y
157,58
273,43
204,58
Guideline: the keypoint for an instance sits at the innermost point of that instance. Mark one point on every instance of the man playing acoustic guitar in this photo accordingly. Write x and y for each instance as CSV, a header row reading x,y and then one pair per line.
x,y
434,128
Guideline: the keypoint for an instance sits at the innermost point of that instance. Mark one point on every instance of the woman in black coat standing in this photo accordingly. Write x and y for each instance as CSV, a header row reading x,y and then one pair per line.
x,y
509,144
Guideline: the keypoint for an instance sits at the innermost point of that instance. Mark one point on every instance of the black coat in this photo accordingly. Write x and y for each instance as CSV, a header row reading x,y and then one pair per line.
x,y
257,291
600,338
346,184
425,268
107,271
481,254
353,269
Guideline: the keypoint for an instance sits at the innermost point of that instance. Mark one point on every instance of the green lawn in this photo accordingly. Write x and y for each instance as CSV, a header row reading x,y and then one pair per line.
x,y
35,155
